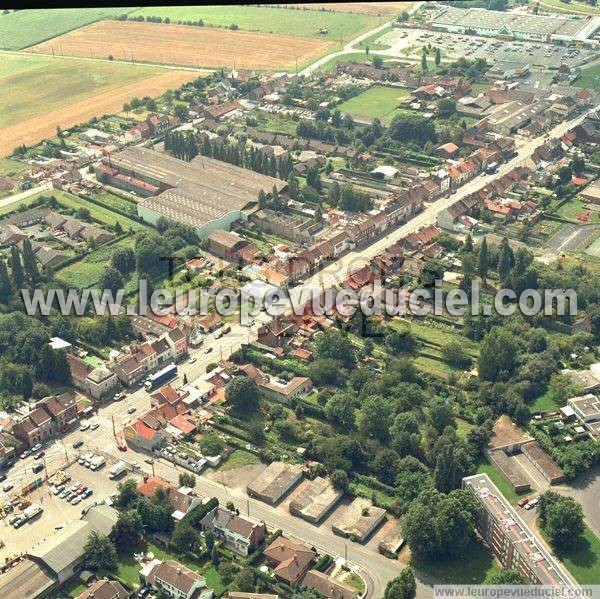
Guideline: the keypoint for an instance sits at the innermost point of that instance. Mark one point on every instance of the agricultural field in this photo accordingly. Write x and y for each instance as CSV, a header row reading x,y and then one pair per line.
x,y
378,101
571,7
282,21
23,28
73,92
367,8
189,46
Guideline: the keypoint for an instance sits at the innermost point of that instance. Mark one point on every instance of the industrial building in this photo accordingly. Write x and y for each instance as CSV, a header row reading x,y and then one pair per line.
x,y
510,539
515,25
205,193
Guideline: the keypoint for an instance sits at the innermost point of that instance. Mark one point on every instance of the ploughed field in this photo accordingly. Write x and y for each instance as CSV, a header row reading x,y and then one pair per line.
x,y
185,45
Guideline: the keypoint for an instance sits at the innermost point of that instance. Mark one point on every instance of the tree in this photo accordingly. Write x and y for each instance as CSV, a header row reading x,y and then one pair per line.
x,y
497,355
339,409
209,539
412,127
111,279
484,260
187,479
245,581
404,586
184,537
405,436
339,479
30,262
507,577
373,419
127,494
446,107
438,57
561,518
335,345
242,393
123,259
565,174
5,283
454,354
385,465
424,66
127,532
211,444
578,164
377,61
99,553
506,259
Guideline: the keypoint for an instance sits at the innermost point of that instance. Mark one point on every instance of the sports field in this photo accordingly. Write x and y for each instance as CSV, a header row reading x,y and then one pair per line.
x,y
378,101
27,27
72,92
184,45
594,249
266,19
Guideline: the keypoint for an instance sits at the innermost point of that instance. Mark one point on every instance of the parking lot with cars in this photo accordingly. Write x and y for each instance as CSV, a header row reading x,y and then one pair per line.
x,y
454,46
78,487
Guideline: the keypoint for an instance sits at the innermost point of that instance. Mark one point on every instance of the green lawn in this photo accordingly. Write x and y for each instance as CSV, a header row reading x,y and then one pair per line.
x,y
377,101
485,467
594,249
286,21
23,28
571,7
239,458
474,566
574,208
584,561
547,402
589,78
10,167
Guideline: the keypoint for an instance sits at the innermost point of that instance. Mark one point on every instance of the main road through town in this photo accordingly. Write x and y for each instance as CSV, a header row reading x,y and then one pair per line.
x,y
113,417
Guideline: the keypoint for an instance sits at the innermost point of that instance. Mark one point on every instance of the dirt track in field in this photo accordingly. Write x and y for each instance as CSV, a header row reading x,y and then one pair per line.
x,y
40,127
366,8
184,45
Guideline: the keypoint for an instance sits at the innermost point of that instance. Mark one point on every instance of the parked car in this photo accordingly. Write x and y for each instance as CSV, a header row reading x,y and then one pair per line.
x,y
7,487
25,454
143,592
36,447
208,350
136,465
19,522
84,426
182,455
87,493
63,494
58,490
193,360
149,461
39,455
523,502
76,500
2,476
94,426
37,467
131,410
77,444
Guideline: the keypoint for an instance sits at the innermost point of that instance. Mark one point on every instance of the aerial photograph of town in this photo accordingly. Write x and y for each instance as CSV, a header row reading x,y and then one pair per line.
x,y
300,301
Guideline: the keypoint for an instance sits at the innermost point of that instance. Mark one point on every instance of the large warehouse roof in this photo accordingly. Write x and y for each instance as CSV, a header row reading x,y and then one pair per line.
x,y
478,18
201,191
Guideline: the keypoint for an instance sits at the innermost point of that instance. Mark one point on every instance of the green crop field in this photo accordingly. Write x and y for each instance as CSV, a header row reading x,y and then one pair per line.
x,y
25,28
65,81
305,23
377,101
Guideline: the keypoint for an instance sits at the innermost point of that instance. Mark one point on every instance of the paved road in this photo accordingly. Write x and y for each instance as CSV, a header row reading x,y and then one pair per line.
x,y
23,195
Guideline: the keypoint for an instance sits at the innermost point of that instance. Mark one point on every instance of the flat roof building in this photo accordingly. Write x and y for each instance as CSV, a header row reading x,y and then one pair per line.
x,y
511,540
275,481
359,520
205,193
517,25
314,499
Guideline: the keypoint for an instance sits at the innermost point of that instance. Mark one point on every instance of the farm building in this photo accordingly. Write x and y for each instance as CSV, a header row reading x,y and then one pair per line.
x,y
205,193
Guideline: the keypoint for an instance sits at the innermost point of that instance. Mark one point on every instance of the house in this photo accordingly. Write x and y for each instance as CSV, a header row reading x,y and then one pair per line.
x,y
448,150
239,533
329,587
50,416
182,500
289,560
172,579
157,124
96,382
104,589
275,481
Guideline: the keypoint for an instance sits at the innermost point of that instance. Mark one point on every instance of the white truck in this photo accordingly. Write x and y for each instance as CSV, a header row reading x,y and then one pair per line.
x,y
97,462
32,511
117,469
